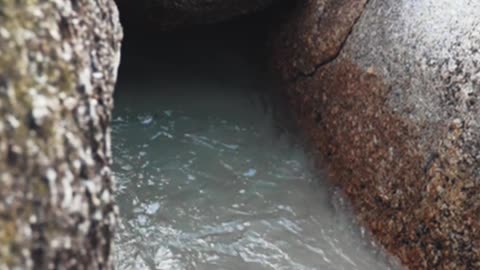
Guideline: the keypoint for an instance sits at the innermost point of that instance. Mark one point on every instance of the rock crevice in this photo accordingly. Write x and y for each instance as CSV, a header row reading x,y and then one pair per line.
x,y
387,91
314,36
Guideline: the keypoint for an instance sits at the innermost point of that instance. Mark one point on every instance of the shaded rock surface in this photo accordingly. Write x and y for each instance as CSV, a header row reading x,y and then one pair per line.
x,y
171,14
58,62
394,111
314,35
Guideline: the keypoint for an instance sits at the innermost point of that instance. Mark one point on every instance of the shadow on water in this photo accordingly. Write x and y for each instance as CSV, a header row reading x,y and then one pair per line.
x,y
210,173
216,56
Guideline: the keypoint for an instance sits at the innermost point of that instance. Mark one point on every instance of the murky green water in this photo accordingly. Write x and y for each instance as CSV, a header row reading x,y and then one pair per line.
x,y
208,178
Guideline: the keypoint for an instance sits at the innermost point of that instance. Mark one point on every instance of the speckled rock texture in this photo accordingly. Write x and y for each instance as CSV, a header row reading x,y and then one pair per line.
x,y
315,34
58,65
392,106
171,14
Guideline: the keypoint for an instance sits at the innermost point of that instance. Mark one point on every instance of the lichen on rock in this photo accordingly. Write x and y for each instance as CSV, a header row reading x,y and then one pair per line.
x,y
58,64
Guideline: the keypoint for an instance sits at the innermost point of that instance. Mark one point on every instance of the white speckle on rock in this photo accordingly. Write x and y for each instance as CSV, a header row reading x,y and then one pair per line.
x,y
84,79
39,108
70,103
98,75
4,33
12,121
106,197
33,219
51,175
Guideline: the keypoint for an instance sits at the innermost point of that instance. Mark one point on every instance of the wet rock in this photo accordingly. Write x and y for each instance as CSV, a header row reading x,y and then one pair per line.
x,y
393,108
58,66
171,14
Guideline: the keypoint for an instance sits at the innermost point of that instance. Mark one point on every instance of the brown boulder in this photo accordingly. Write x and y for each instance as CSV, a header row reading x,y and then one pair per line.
x,y
393,108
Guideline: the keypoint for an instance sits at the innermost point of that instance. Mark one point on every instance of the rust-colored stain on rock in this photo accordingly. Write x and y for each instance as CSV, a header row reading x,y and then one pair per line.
x,y
387,92
422,208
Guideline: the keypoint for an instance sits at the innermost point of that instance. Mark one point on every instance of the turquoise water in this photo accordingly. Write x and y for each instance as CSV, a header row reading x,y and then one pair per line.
x,y
213,183
210,175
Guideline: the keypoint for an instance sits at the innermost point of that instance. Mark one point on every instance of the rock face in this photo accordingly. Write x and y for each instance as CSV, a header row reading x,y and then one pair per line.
x,y
169,14
393,108
58,64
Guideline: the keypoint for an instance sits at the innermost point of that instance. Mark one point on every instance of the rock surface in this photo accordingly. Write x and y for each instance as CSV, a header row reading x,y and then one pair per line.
x,y
393,108
58,64
170,14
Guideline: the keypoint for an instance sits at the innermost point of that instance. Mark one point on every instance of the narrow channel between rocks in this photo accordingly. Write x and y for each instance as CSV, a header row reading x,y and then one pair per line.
x,y
210,171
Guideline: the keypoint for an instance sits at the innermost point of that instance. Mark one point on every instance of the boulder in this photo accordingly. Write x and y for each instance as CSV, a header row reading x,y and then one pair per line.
x,y
58,66
171,14
388,94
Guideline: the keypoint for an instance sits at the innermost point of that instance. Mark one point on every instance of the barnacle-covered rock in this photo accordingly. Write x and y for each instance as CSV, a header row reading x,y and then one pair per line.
x,y
393,107
58,64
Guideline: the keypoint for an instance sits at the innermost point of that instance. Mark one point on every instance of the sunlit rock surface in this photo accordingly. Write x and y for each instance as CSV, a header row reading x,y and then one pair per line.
x,y
395,114
58,62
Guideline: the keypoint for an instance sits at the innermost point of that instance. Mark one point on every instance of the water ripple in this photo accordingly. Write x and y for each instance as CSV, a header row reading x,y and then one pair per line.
x,y
204,189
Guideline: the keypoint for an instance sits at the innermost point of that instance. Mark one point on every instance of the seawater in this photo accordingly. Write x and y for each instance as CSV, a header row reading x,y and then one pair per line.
x,y
211,176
